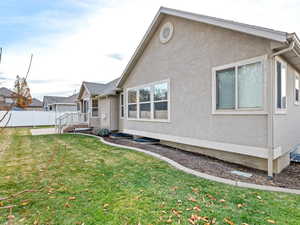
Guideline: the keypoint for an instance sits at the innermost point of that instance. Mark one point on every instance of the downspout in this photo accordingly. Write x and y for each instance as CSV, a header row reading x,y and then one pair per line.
x,y
272,111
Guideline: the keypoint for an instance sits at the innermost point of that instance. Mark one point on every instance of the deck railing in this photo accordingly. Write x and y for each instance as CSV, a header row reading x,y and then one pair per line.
x,y
70,119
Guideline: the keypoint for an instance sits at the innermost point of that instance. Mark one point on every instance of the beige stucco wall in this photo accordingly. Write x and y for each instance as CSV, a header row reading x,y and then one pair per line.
x,y
286,126
114,112
187,60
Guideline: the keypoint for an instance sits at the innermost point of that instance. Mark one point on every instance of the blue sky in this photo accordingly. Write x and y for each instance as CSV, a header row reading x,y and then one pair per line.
x,y
93,40
20,20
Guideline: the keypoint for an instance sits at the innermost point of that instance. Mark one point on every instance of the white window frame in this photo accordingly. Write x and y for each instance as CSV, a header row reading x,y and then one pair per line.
x,y
122,105
151,85
297,76
91,108
236,110
278,110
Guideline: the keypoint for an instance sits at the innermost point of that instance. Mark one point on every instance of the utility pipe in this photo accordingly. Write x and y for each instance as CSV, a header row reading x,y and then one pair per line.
x,y
290,48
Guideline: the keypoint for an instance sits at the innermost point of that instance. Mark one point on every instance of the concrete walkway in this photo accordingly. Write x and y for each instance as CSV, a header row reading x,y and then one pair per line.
x,y
43,131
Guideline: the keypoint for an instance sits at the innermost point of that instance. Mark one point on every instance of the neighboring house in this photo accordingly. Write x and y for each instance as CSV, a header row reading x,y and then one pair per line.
x,y
7,98
36,105
60,104
216,87
99,104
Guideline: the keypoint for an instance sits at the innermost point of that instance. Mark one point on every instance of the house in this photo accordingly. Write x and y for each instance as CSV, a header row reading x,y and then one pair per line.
x,y
60,104
8,100
36,105
98,103
216,87
211,86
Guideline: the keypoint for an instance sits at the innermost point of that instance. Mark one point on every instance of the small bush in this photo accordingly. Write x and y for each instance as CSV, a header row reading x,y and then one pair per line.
x,y
103,132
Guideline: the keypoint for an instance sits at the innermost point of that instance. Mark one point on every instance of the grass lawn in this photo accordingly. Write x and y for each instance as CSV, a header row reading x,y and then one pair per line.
x,y
82,181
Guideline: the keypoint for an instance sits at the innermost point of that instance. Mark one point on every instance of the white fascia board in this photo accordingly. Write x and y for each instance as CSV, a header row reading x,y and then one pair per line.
x,y
236,26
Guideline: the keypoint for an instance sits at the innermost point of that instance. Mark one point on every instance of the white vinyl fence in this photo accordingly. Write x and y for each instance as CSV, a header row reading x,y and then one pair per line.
x,y
28,118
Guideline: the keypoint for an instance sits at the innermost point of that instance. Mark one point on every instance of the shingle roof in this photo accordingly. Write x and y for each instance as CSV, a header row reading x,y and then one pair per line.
x,y
59,99
100,89
6,92
36,103
94,88
110,88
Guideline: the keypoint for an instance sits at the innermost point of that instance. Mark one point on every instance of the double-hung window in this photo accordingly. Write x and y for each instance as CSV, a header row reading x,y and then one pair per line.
x,y
161,101
132,104
149,102
94,107
281,76
297,87
145,103
239,87
122,111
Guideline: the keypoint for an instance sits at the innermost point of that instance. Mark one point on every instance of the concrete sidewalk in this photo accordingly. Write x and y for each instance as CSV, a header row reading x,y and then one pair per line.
x,y
43,131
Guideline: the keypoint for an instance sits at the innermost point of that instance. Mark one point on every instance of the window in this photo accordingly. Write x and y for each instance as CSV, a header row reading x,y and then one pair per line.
x,y
122,105
297,86
281,98
161,101
132,104
145,103
239,87
9,100
94,107
149,102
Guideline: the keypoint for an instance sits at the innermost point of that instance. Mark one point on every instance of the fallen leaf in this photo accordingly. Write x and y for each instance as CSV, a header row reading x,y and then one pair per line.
x,y
195,190
72,198
67,205
211,197
197,208
1,204
222,200
169,221
271,221
105,205
228,221
25,202
36,222
174,188
213,221
240,205
192,199
258,197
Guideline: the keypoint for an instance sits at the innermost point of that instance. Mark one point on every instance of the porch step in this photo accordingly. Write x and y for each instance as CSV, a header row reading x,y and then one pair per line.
x,y
72,127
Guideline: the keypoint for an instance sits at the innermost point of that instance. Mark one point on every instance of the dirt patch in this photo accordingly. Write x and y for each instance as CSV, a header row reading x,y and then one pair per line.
x,y
288,178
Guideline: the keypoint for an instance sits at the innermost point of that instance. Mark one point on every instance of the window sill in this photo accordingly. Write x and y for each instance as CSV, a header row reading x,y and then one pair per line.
x,y
281,112
149,120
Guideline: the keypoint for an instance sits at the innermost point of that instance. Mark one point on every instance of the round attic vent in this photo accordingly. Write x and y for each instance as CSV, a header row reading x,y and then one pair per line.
x,y
166,32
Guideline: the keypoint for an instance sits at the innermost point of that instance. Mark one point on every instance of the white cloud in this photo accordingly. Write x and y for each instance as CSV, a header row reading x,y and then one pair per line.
x,y
84,52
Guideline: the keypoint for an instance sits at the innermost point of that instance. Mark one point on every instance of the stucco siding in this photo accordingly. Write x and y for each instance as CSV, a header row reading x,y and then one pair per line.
x,y
114,112
187,60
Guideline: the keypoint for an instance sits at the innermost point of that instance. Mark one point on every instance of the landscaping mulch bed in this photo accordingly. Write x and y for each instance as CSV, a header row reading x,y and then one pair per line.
x,y
289,178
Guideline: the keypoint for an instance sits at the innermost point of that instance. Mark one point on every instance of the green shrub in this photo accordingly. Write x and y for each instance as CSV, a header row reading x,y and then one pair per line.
x,y
103,132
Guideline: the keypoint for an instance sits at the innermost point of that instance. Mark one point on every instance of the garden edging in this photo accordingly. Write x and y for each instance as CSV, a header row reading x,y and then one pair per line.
x,y
199,174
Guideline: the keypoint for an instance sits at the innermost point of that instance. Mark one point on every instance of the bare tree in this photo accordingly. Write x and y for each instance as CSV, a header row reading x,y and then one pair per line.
x,y
22,97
